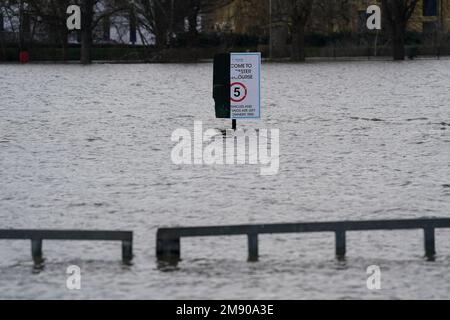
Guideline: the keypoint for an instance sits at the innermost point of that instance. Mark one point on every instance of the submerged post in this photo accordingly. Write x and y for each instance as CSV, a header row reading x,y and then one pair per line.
x,y
168,249
253,253
340,244
36,251
430,249
127,251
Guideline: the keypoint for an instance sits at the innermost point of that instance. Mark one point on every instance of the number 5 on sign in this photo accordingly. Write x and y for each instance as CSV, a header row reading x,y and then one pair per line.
x,y
238,92
245,95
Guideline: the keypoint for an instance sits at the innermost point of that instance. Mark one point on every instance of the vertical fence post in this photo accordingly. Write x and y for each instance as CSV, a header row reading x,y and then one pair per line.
x,y
430,250
127,251
168,249
253,247
340,244
36,251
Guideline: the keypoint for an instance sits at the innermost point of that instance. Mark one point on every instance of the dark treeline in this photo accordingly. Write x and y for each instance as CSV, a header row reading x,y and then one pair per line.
x,y
156,21
162,24
297,14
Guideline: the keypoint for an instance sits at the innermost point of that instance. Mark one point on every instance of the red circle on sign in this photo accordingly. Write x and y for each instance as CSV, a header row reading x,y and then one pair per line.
x,y
240,84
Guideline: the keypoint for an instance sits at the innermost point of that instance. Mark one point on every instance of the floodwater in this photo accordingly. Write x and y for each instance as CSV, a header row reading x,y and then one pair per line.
x,y
90,148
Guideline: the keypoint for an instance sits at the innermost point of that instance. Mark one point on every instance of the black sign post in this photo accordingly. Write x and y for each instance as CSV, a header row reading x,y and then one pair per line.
x,y
221,87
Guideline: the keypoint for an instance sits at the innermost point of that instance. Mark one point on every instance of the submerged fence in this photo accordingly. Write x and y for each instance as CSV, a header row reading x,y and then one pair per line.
x,y
37,236
168,239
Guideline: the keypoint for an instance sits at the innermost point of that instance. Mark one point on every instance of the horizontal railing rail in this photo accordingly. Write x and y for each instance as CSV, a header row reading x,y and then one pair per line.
x,y
168,239
37,236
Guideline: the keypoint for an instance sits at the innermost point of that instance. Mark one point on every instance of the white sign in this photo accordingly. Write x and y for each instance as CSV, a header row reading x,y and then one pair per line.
x,y
245,75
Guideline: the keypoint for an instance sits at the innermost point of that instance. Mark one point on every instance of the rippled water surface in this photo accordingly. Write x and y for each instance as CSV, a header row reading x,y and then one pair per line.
x,y
89,148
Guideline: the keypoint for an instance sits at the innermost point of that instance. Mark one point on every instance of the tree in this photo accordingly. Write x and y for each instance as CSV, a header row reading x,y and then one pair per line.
x,y
331,15
52,15
192,17
278,28
92,13
299,13
155,17
87,26
397,14
294,14
166,18
7,16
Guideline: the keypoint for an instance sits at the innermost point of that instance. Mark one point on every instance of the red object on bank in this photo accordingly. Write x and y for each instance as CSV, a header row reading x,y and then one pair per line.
x,y
24,57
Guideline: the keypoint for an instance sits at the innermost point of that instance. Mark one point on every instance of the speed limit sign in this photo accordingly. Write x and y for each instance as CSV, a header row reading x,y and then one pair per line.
x,y
238,92
245,74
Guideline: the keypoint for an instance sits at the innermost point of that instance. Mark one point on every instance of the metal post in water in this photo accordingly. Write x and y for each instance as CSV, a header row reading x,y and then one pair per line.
x,y
127,251
36,251
168,249
253,247
430,250
234,124
340,245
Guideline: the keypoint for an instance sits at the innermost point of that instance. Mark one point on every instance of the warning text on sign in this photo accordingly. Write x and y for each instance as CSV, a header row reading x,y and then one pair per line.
x,y
245,89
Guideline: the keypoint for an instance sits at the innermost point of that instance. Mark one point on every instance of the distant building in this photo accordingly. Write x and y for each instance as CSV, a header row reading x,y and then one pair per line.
x,y
240,16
